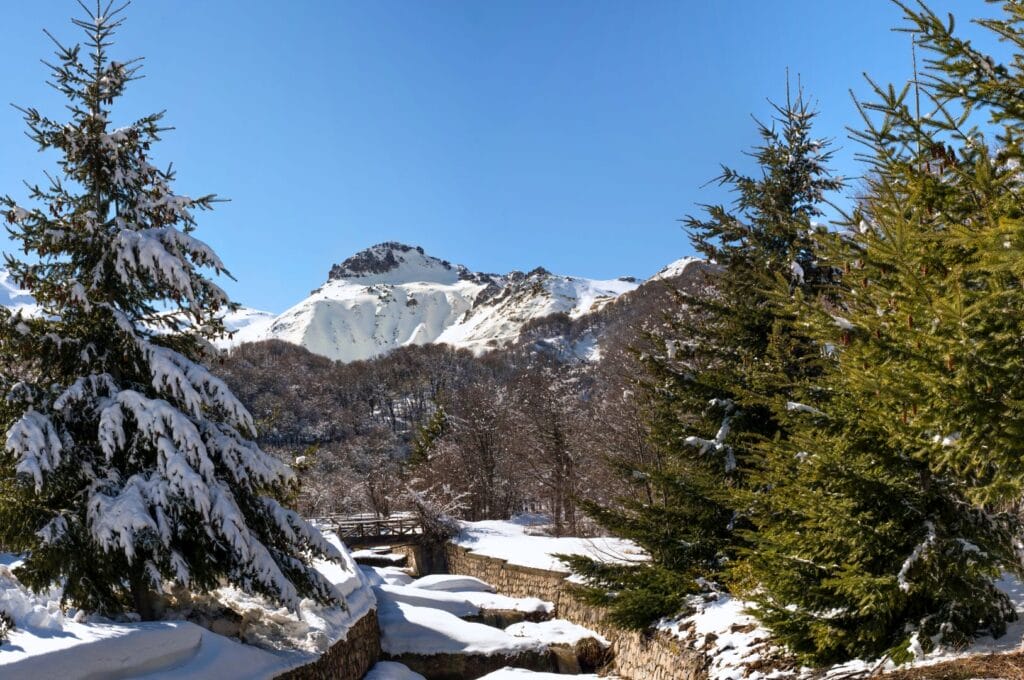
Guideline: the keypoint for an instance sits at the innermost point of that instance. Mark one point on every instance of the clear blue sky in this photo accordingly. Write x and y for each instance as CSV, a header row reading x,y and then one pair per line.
x,y
497,133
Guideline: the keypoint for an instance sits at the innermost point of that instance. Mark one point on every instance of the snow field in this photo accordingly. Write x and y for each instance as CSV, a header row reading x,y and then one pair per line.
x,y
511,541
48,644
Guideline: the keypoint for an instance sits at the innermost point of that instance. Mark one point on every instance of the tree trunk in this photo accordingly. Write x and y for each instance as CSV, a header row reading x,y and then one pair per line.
x,y
148,602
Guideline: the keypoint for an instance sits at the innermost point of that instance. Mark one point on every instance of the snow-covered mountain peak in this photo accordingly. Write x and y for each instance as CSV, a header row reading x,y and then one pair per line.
x,y
396,263
676,268
392,294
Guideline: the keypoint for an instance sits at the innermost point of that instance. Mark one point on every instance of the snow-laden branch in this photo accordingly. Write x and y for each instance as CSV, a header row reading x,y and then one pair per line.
x,y
802,408
718,444
193,385
158,253
915,556
34,440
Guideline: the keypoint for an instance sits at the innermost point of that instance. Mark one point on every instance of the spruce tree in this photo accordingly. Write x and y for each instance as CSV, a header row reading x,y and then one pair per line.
x,y
127,464
719,376
882,524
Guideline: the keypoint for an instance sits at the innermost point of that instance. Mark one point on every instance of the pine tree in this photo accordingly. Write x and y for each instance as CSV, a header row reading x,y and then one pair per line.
x,y
720,376
127,464
883,525
427,436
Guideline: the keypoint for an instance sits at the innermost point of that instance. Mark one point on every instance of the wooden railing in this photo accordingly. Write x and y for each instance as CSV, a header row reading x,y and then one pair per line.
x,y
363,528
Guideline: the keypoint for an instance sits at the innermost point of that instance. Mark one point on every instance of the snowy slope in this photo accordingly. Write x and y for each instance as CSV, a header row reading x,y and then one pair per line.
x,y
14,297
247,324
392,295
674,269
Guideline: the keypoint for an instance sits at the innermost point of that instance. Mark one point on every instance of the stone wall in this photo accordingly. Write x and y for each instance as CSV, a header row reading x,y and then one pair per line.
x,y
348,659
638,656
421,558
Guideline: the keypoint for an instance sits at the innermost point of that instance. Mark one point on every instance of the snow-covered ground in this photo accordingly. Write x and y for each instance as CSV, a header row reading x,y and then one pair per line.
x,y
49,643
523,674
410,629
736,644
554,632
450,583
392,670
516,541
423,619
426,617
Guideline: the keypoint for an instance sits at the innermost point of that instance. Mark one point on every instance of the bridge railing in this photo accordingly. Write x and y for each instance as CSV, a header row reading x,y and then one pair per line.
x,y
354,528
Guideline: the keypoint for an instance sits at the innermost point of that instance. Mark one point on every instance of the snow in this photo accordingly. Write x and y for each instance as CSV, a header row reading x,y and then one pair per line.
x,y
451,603
718,444
555,632
46,643
797,272
393,576
499,319
408,629
394,558
915,555
675,268
15,298
391,670
728,636
509,673
733,641
220,658
248,325
495,602
842,322
452,583
508,540
802,408
359,314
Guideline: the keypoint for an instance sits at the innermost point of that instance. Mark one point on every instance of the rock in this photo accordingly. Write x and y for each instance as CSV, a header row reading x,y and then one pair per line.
x,y
591,655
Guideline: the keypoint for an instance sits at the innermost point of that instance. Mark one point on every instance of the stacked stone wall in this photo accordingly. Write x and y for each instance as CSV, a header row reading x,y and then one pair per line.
x,y
347,659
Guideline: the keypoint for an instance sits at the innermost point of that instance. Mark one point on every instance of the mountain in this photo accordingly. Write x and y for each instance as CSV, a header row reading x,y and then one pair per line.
x,y
392,295
608,333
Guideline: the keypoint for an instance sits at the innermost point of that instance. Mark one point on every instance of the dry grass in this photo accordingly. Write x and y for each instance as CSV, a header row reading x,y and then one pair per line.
x,y
1003,666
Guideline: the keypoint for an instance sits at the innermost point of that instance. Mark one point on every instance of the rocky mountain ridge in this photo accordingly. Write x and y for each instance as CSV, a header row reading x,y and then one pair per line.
x,y
392,295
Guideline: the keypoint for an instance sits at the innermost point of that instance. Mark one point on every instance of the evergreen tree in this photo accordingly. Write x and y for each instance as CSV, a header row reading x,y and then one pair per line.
x,y
721,375
427,436
882,523
127,464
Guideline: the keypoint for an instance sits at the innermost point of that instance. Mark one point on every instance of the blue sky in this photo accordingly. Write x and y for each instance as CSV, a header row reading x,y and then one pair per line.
x,y
500,134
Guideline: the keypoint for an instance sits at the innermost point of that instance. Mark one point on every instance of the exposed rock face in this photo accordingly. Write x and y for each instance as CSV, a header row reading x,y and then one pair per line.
x,y
383,258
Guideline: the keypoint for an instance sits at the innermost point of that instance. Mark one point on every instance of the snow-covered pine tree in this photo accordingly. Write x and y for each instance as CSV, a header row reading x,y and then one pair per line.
x,y
127,464
885,522
718,381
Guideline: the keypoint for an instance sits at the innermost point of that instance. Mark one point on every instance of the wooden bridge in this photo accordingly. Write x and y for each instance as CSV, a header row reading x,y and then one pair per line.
x,y
373,529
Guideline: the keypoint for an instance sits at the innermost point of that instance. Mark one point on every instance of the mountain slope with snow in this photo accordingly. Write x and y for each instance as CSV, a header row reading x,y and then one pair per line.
x,y
392,295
